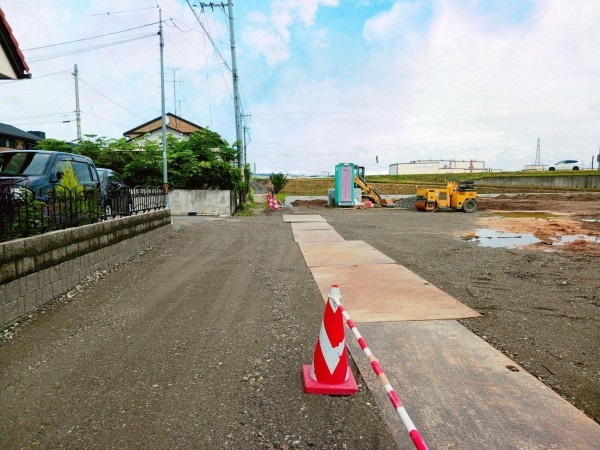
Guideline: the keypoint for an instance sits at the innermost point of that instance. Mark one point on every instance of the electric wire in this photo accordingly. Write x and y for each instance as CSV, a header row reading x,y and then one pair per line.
x,y
36,116
207,82
96,47
36,77
105,120
92,108
209,36
20,124
174,25
111,100
108,13
89,38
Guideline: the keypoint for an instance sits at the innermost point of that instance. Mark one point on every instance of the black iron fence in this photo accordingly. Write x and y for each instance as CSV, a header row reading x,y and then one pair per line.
x,y
25,213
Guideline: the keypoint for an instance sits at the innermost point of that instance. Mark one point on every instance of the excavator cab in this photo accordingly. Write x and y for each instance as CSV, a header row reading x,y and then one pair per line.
x,y
368,190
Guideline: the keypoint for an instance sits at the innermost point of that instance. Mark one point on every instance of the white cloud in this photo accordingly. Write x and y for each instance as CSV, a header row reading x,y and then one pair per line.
x,y
463,85
270,35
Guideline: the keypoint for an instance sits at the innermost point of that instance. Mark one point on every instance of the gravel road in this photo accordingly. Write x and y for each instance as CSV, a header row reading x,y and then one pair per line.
x,y
198,343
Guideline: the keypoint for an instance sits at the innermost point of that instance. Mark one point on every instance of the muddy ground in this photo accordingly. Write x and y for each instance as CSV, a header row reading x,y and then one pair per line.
x,y
540,302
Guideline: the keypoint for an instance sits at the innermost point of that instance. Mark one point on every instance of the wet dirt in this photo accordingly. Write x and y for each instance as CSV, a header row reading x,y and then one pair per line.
x,y
561,222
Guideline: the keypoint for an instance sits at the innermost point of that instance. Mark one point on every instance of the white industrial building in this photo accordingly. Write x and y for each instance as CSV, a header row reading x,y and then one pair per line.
x,y
438,166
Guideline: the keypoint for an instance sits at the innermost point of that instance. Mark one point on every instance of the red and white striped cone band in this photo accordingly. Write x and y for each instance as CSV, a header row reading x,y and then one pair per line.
x,y
329,372
413,433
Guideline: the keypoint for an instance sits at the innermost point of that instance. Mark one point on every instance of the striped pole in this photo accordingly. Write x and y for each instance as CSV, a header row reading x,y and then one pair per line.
x,y
335,296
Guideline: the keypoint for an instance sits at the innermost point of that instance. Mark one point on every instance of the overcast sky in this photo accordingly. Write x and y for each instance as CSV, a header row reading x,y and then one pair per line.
x,y
324,81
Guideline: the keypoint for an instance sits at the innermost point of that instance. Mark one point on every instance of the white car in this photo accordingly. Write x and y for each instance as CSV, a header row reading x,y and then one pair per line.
x,y
567,164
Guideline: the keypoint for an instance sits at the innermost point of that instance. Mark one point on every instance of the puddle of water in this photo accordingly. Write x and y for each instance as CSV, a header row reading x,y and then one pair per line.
x,y
493,238
540,215
591,220
577,237
500,239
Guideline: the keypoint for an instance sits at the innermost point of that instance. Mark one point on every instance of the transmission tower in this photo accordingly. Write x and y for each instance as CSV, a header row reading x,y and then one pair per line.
x,y
538,161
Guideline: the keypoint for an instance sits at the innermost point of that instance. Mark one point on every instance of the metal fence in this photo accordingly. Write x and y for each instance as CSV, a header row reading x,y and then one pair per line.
x,y
25,213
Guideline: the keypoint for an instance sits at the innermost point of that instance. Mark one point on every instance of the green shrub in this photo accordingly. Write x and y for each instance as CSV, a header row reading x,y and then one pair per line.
x,y
279,180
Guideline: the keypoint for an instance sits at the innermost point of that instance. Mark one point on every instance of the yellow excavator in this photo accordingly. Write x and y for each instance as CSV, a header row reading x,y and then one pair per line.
x,y
458,195
359,180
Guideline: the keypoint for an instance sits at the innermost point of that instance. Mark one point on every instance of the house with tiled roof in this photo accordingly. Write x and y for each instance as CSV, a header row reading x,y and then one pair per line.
x,y
177,126
12,138
12,61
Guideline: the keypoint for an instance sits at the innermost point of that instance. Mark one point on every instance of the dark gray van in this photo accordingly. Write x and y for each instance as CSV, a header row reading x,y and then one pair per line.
x,y
41,170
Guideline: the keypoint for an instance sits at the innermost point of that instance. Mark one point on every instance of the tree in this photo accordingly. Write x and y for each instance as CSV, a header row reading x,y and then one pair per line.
x,y
279,180
54,145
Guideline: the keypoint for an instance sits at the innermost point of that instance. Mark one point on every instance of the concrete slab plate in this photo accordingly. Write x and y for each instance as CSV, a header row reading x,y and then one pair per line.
x,y
388,293
462,394
346,253
290,218
297,226
317,236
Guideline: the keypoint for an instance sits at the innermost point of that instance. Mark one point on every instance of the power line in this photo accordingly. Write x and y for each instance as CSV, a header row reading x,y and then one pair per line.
x,y
36,116
105,120
37,77
209,36
108,13
95,47
89,38
110,100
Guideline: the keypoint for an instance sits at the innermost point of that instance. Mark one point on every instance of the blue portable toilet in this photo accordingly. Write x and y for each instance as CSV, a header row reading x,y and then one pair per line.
x,y
344,184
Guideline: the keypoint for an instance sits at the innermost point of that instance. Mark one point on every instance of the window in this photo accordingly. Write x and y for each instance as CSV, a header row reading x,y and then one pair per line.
x,y
82,172
21,163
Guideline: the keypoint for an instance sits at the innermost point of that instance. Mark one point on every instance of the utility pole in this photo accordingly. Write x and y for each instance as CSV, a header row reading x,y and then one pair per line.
x,y
236,93
77,109
234,72
245,132
162,98
175,81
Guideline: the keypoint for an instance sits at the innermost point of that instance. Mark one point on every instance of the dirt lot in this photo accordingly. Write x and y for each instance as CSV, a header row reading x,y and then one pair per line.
x,y
198,343
540,302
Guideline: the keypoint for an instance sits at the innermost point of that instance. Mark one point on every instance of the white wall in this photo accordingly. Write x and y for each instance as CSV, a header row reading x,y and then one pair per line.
x,y
202,202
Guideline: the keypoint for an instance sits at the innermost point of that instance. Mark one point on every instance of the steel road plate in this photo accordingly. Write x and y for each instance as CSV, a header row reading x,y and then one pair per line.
x,y
388,293
317,236
461,392
297,226
289,218
346,253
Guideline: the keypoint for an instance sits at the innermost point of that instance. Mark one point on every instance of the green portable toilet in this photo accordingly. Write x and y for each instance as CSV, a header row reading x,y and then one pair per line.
x,y
344,184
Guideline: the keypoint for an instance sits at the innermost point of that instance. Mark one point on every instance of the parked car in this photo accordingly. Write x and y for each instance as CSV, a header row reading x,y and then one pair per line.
x,y
115,195
41,171
567,164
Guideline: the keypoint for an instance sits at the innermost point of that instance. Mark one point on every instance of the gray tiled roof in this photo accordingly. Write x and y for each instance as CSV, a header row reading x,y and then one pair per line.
x,y
9,130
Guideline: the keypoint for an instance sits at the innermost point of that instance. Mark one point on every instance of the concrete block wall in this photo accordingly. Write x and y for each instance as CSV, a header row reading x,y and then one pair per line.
x,y
556,182
37,269
202,202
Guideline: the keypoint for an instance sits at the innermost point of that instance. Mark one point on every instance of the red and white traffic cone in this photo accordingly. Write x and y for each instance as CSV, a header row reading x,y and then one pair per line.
x,y
329,373
272,201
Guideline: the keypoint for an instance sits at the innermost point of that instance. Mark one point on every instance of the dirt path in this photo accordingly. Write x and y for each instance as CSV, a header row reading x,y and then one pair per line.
x,y
197,344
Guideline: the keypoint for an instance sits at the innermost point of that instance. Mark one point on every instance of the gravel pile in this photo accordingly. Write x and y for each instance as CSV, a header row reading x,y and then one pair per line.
x,y
406,203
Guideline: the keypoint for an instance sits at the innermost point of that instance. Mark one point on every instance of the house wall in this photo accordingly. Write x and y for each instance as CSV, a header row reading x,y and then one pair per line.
x,y
12,143
6,70
202,202
35,270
